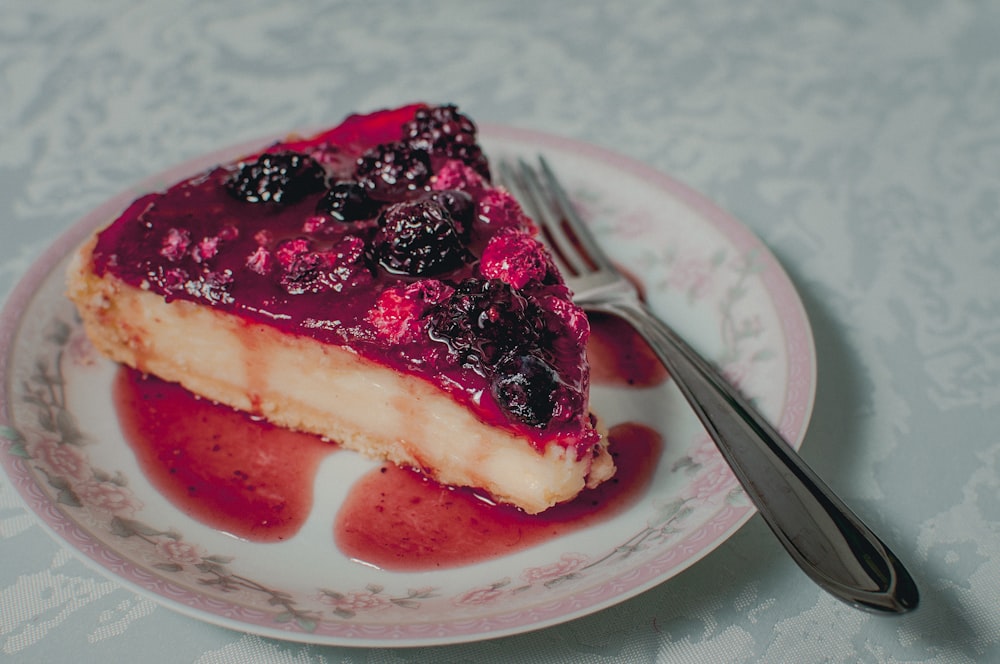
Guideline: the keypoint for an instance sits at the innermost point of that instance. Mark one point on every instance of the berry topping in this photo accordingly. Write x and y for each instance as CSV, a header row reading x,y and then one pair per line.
x,y
174,278
289,250
418,238
498,209
514,257
347,201
308,271
316,223
528,388
349,255
483,320
444,130
212,286
385,236
459,204
569,318
206,249
282,177
260,261
398,312
514,342
175,244
391,171
455,174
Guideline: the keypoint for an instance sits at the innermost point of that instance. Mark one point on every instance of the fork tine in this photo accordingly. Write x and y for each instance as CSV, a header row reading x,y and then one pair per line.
x,y
584,240
525,184
552,209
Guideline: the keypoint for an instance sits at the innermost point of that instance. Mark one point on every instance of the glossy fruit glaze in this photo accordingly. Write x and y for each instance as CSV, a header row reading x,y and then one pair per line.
x,y
383,235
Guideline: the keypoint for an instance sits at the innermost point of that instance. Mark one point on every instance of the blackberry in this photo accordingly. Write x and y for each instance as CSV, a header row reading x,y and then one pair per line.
x,y
392,171
418,238
347,201
501,334
527,388
282,177
461,207
483,321
445,131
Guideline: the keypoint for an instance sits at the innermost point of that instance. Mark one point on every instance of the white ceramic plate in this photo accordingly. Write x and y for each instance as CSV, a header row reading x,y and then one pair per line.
x,y
702,270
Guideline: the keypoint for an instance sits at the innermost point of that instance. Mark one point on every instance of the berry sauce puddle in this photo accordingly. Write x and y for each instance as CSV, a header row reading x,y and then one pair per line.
x,y
255,481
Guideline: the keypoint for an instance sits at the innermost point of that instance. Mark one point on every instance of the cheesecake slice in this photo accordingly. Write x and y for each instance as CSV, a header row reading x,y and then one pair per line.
x,y
367,284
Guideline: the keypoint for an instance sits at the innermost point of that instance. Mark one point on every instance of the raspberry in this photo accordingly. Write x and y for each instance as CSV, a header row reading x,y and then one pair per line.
x,y
289,250
392,171
516,258
418,238
260,261
206,249
283,177
498,209
308,271
175,244
569,318
455,174
398,312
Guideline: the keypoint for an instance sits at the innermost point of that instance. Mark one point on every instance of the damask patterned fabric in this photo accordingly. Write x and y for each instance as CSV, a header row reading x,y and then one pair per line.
x,y
860,141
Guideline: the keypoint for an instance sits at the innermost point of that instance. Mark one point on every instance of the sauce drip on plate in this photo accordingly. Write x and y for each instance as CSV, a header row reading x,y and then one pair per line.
x,y
219,466
397,520
254,480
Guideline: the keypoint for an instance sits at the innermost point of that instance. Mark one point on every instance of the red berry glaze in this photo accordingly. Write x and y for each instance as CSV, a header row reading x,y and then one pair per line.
x,y
383,235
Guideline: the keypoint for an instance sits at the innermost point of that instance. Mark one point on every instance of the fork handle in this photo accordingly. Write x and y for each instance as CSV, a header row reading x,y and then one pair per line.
x,y
828,541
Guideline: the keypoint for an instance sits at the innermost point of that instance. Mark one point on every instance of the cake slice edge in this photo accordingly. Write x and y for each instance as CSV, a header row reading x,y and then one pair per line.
x,y
302,384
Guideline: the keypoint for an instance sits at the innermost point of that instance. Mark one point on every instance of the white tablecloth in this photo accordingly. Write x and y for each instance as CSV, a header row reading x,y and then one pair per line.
x,y
859,140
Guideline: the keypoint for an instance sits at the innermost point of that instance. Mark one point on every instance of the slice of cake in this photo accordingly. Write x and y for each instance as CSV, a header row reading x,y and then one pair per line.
x,y
367,284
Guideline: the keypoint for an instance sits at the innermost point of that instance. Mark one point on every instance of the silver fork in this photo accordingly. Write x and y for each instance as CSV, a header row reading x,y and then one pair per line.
x,y
828,541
